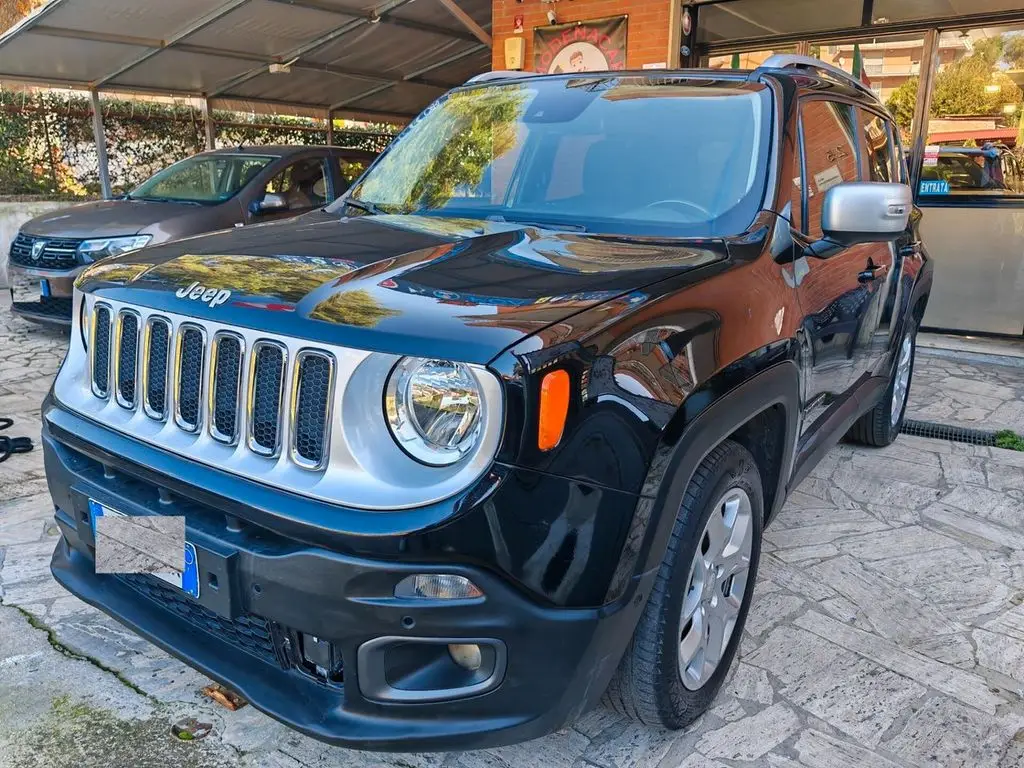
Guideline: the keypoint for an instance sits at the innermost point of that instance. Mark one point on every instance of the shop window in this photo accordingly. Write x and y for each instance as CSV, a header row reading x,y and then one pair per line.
x,y
746,59
975,117
830,155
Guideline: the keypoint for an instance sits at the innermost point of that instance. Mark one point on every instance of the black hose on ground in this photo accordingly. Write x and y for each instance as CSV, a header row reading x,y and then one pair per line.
x,y
11,445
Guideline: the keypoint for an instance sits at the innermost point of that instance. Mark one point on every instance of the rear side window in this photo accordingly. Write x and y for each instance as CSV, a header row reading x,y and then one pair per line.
x,y
830,157
876,146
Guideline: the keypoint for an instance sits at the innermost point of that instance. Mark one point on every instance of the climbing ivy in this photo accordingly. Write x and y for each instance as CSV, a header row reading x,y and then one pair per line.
x,y
47,148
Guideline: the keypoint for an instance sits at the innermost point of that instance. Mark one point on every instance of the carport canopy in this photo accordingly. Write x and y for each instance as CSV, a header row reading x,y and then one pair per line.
x,y
344,58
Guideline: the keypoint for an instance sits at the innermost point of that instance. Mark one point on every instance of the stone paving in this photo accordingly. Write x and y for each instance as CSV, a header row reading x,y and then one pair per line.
x,y
887,627
968,394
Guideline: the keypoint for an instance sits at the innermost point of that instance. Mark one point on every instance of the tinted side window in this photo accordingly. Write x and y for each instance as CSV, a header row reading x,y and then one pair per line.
x,y
876,146
303,184
830,154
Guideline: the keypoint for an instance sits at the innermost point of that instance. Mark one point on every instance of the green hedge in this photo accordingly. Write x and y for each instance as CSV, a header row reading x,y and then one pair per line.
x,y
48,149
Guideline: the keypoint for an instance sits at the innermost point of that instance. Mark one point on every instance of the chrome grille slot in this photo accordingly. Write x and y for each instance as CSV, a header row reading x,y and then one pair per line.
x,y
100,348
189,376
157,346
314,381
127,357
226,365
266,385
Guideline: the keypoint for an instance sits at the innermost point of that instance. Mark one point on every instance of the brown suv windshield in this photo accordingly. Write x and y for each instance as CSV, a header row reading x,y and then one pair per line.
x,y
631,155
201,179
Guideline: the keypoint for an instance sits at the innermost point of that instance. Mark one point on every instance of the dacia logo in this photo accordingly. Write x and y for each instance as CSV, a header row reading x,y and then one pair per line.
x,y
198,292
37,249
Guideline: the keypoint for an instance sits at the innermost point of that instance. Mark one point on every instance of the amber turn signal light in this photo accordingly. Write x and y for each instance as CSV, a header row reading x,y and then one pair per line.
x,y
554,406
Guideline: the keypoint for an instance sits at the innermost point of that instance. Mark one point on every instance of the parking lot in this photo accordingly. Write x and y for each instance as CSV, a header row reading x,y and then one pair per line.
x,y
887,627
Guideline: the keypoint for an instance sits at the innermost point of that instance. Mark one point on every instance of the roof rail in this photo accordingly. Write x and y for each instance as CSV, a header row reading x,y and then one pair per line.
x,y
793,61
500,74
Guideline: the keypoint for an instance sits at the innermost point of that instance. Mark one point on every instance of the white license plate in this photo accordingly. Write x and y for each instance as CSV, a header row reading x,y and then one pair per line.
x,y
187,581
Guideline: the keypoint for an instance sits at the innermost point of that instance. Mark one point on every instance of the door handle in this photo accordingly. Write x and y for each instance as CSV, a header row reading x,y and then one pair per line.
x,y
867,275
912,251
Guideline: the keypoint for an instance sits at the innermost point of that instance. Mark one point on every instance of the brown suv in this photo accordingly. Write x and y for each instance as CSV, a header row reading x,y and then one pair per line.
x,y
206,192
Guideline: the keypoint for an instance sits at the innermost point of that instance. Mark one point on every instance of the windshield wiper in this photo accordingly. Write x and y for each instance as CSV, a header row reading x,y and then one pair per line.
x,y
165,200
365,206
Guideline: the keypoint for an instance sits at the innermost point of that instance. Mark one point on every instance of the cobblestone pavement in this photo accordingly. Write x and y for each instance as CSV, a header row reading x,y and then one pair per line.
x,y
887,627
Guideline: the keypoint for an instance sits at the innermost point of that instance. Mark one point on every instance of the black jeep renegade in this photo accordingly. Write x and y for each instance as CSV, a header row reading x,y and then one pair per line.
x,y
496,434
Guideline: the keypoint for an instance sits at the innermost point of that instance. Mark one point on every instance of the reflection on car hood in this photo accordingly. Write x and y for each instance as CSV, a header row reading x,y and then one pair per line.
x,y
405,284
104,218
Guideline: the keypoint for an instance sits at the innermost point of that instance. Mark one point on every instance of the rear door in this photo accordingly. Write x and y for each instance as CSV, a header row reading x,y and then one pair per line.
x,y
834,299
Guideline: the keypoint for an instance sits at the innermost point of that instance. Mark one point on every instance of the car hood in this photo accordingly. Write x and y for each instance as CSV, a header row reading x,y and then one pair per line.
x,y
461,289
104,218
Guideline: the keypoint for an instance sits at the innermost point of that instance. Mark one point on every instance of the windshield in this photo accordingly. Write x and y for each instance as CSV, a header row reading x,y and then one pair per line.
x,y
630,155
202,179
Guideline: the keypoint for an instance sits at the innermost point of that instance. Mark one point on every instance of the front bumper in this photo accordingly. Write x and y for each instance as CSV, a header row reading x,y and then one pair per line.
x,y
55,305
275,591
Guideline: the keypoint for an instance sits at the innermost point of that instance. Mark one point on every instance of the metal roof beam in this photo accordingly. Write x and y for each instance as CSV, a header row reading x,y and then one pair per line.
x,y
411,77
312,45
203,21
419,26
94,37
468,22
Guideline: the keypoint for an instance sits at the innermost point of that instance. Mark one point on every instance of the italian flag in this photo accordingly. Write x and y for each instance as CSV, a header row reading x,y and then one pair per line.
x,y
858,66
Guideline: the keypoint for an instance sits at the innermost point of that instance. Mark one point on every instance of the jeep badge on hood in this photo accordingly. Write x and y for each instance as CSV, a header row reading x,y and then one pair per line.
x,y
198,292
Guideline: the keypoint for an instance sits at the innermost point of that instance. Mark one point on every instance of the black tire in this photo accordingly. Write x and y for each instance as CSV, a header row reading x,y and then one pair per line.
x,y
876,427
648,685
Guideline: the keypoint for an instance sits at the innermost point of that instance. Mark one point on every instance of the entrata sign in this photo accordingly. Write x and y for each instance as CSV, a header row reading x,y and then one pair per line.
x,y
583,46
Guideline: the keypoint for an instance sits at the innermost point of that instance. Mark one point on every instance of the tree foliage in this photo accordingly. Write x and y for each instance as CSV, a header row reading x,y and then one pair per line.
x,y
960,88
46,140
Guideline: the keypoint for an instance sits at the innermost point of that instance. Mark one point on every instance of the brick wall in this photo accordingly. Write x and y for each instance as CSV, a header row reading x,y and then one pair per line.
x,y
646,37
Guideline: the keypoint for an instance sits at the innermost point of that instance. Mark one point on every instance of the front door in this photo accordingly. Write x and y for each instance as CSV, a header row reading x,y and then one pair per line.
x,y
835,294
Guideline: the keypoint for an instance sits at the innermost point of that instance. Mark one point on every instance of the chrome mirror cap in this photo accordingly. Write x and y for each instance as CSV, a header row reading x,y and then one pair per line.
x,y
865,212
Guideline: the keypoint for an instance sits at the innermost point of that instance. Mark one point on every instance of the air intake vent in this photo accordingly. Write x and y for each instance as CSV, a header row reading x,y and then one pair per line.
x,y
156,367
191,340
127,357
314,374
265,406
101,351
227,376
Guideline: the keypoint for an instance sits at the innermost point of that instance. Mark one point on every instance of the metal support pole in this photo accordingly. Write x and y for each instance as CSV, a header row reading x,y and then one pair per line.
x,y
922,108
330,127
100,138
211,129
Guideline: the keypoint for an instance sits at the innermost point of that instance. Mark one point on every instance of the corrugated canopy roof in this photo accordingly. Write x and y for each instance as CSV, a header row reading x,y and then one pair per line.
x,y
372,62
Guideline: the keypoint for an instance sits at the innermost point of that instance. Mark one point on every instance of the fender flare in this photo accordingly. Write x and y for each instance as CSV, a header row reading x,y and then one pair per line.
x,y
674,465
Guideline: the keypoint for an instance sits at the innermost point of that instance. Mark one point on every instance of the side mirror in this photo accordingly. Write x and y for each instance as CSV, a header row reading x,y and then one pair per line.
x,y
270,202
865,212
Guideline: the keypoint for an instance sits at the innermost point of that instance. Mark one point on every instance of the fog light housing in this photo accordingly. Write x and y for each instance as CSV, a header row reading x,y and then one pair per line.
x,y
466,655
438,586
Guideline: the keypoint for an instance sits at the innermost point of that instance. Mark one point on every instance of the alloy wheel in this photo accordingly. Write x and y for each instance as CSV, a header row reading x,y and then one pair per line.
x,y
901,381
715,589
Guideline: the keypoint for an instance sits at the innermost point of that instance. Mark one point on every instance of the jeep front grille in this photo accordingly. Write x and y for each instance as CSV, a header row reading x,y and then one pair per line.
x,y
267,381
214,378
101,351
157,345
189,372
227,377
314,382
127,357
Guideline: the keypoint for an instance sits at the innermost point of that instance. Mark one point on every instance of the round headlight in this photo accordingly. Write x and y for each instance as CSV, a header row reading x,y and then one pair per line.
x,y
433,409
